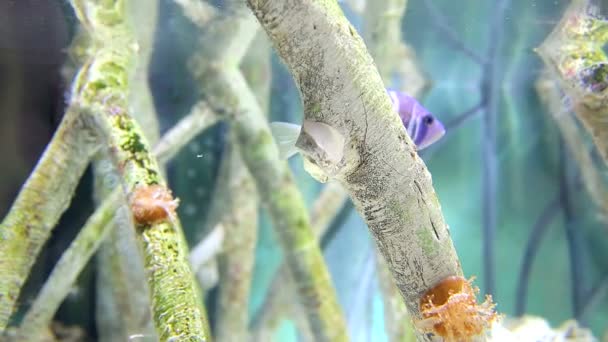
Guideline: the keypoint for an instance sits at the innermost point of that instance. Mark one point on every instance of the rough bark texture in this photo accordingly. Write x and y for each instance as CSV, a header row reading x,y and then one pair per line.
x,y
176,304
43,199
175,299
383,22
119,253
380,168
87,241
120,313
64,274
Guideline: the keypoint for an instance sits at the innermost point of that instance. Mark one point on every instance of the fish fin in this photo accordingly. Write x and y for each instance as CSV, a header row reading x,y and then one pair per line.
x,y
285,134
411,127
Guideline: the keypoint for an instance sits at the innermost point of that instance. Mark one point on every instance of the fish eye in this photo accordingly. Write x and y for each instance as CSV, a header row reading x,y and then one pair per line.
x,y
428,120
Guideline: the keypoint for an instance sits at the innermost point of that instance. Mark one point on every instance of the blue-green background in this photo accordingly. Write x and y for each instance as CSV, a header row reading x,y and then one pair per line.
x,y
528,154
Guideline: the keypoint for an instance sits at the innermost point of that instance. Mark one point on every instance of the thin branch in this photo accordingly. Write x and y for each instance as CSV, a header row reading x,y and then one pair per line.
x,y
572,234
122,311
98,225
463,117
596,295
200,118
144,14
536,235
440,22
66,271
490,97
42,200
236,260
240,208
382,20
225,87
207,248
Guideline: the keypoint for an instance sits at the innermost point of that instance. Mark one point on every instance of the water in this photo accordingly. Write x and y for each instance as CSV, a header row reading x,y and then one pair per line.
x,y
520,180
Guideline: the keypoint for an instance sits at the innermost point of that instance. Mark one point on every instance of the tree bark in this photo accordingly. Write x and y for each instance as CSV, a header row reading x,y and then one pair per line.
x,y
377,163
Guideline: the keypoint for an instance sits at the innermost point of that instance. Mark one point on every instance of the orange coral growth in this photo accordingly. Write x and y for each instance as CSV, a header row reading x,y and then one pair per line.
x,y
450,310
152,203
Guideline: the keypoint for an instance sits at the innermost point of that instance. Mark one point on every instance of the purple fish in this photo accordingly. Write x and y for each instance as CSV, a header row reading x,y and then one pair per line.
x,y
421,125
423,128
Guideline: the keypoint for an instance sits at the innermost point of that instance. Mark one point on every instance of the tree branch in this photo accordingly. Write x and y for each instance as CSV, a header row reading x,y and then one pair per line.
x,y
225,87
241,210
176,308
278,301
392,55
351,134
87,241
42,200
441,24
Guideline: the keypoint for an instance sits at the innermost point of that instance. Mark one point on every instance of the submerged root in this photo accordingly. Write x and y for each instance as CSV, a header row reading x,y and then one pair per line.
x,y
450,310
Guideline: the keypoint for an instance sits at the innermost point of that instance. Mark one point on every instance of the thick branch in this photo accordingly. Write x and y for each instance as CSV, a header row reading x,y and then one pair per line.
x,y
383,22
377,163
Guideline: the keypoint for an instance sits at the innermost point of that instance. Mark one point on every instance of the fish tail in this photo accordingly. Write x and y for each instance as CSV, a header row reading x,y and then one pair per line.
x,y
285,134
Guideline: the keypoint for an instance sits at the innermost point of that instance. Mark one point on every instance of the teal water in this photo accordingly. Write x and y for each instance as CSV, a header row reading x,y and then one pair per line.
x,y
526,152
